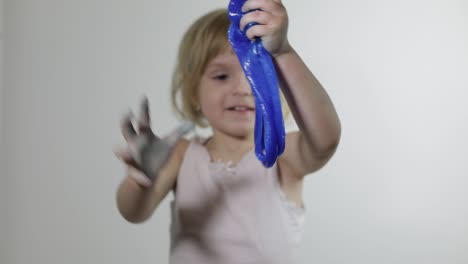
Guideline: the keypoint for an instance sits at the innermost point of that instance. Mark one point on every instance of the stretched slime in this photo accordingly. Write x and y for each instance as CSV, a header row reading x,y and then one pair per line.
x,y
259,69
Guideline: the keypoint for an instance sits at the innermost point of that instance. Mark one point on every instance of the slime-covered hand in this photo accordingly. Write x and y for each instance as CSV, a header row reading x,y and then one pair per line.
x,y
260,71
146,153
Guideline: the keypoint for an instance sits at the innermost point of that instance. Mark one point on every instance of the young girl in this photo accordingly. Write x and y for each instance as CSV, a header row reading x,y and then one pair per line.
x,y
228,207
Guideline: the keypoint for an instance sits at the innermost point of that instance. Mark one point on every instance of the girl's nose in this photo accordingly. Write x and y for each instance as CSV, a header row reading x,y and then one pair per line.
x,y
243,88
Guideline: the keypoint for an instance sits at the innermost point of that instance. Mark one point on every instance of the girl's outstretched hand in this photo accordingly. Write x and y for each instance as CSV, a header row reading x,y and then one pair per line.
x,y
137,141
146,154
271,26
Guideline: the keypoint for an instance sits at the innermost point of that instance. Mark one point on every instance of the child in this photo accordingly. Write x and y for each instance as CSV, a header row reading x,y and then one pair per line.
x,y
228,207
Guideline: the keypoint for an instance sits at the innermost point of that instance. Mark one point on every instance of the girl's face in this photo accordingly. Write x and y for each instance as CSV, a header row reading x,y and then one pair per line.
x,y
225,97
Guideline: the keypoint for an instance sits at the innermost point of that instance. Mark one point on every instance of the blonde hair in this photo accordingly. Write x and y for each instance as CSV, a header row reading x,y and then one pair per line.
x,y
202,42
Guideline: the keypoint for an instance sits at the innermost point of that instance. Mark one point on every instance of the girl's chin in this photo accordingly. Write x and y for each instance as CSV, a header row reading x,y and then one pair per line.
x,y
235,127
245,131
238,129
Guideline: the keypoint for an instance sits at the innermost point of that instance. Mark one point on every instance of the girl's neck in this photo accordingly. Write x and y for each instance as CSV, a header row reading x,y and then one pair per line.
x,y
226,148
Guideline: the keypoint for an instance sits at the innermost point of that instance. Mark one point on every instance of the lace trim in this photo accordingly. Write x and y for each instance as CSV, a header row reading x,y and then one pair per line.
x,y
295,216
219,167
290,204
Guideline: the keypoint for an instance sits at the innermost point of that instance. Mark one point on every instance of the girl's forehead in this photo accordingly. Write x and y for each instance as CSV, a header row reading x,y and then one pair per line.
x,y
226,55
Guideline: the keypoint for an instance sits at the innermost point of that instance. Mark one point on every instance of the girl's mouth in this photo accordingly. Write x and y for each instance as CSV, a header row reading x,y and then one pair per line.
x,y
240,108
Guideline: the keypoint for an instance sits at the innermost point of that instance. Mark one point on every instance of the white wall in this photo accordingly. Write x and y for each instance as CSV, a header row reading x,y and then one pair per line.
x,y
396,70
3,187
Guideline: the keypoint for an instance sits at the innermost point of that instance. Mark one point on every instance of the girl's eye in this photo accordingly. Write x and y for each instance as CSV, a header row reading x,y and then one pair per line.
x,y
220,77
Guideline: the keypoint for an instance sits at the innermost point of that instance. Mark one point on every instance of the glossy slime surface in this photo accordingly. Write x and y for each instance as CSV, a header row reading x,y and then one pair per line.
x,y
260,71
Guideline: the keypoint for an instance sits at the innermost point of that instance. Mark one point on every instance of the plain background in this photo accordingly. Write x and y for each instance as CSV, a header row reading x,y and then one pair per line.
x,y
397,71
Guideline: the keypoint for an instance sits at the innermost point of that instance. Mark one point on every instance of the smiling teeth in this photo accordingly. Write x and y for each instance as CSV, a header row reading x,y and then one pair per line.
x,y
240,108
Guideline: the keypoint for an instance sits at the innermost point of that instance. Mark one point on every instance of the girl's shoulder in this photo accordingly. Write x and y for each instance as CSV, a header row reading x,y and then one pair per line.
x,y
182,146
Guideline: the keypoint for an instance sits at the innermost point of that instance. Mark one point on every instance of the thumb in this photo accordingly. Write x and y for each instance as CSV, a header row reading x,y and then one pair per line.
x,y
139,177
124,154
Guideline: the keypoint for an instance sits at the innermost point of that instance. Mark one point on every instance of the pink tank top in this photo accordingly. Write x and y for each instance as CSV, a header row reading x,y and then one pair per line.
x,y
229,214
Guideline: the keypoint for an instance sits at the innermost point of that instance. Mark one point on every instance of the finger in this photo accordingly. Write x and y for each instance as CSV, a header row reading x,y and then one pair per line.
x,y
126,126
138,176
144,118
257,31
125,156
257,17
264,5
